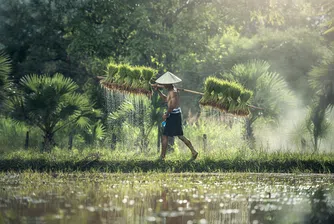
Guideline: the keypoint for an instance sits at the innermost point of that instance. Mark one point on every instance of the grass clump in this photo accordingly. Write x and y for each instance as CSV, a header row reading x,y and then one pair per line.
x,y
227,96
219,160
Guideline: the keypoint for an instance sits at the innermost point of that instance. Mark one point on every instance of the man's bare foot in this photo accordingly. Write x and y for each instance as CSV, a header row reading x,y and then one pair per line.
x,y
161,159
194,156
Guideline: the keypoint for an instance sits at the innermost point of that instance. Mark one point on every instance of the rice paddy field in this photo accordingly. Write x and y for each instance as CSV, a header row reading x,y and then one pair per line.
x,y
95,197
118,161
221,186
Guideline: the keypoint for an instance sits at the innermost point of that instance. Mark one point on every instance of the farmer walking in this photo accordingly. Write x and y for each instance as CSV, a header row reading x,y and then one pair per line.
x,y
172,117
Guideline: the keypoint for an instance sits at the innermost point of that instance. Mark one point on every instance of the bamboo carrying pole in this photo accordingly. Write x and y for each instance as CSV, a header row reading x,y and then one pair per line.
x,y
199,93
182,89
101,78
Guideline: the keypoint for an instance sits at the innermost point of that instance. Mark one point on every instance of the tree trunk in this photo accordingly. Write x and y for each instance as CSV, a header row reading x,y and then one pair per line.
x,y
316,142
26,144
70,140
113,141
249,133
142,124
159,138
48,143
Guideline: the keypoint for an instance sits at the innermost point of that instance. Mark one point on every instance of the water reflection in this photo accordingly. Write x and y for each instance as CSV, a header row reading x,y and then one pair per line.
x,y
166,198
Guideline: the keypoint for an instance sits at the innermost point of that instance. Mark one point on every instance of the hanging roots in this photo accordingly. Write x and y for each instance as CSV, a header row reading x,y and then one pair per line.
x,y
126,89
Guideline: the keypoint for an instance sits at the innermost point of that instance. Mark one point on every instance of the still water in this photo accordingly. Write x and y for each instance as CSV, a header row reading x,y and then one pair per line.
x,y
100,198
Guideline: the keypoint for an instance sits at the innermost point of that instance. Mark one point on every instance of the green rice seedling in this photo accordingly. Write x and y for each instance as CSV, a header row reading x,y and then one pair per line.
x,y
123,73
235,91
112,72
210,85
129,79
137,78
224,87
148,73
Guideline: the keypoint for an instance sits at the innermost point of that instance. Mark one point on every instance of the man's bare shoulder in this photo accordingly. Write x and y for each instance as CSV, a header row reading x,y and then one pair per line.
x,y
173,93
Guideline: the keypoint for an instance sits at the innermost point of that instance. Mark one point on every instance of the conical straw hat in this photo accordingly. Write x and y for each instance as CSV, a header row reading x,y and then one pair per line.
x,y
168,78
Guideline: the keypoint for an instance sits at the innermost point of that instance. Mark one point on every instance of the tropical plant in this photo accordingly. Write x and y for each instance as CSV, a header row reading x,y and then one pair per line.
x,y
271,94
139,113
322,81
5,69
317,124
51,104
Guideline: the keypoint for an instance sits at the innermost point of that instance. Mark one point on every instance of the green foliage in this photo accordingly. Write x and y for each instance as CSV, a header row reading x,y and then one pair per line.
x,y
291,53
5,69
192,38
322,80
33,35
218,160
271,95
270,91
122,112
317,124
51,104
132,122
13,135
328,6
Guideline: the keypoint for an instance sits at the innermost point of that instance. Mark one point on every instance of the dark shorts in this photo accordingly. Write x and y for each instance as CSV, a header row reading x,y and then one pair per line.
x,y
173,125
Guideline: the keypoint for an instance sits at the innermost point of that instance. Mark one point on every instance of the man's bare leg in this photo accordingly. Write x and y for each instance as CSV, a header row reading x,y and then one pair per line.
x,y
164,143
190,146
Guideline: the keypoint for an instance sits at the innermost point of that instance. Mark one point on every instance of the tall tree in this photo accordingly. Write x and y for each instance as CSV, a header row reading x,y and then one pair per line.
x,y
322,81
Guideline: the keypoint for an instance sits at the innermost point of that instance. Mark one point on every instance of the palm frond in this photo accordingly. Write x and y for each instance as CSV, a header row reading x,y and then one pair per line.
x,y
62,84
83,122
270,91
322,79
99,130
124,109
58,84
5,69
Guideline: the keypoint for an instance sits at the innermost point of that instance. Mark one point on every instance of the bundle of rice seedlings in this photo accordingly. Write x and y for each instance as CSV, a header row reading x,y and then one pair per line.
x,y
129,79
230,97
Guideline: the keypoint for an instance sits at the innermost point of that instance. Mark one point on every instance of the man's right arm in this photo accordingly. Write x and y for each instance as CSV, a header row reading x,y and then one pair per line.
x,y
163,96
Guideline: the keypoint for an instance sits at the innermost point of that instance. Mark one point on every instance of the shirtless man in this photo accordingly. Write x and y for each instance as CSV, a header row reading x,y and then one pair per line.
x,y
173,120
